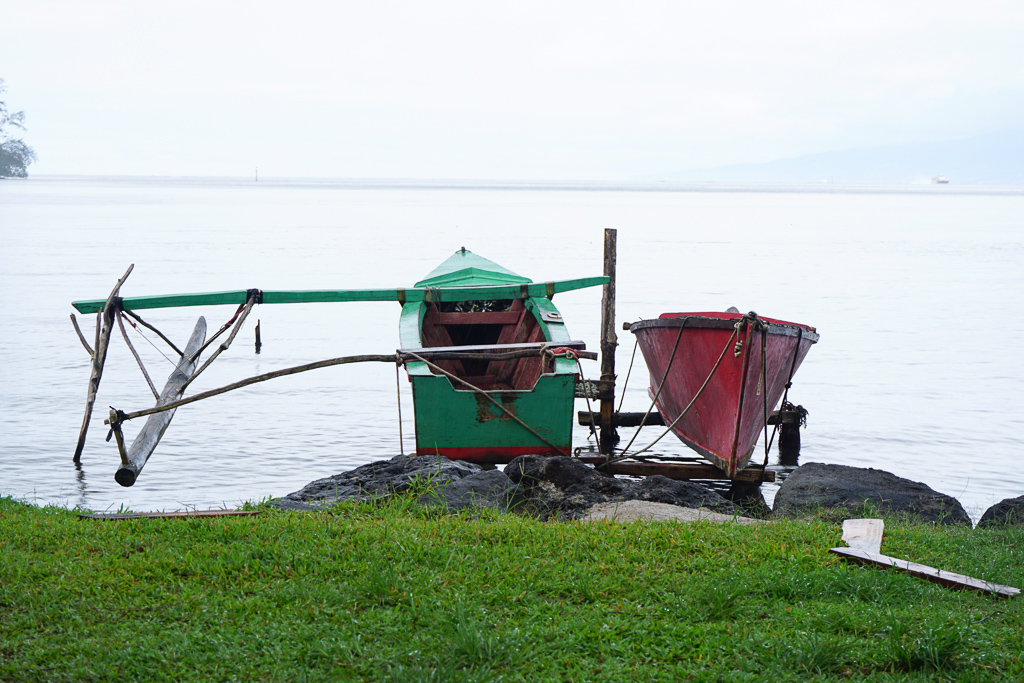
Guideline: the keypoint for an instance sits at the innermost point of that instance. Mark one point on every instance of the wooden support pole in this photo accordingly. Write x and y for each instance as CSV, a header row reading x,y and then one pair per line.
x,y
145,443
81,337
104,323
138,359
608,435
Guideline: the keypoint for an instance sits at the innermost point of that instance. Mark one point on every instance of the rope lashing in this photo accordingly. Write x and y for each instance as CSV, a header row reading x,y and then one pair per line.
x,y
117,418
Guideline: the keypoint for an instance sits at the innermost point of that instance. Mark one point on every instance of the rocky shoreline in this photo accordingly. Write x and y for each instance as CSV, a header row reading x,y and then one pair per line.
x,y
564,488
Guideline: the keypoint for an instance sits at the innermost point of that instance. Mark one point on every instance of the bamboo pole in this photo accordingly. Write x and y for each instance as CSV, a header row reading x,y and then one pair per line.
x,y
609,341
98,359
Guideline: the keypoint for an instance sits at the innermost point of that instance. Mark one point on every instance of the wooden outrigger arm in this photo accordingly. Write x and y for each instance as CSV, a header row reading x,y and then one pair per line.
x,y
134,458
401,295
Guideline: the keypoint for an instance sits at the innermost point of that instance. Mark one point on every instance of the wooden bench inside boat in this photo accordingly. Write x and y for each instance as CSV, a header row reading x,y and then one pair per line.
x,y
492,323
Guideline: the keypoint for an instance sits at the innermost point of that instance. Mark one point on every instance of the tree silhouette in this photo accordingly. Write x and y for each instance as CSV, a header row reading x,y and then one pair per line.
x,y
15,155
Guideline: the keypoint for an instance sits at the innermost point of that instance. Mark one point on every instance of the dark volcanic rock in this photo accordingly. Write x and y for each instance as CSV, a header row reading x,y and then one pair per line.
x,y
1008,511
379,480
562,486
489,488
817,486
659,489
536,485
748,496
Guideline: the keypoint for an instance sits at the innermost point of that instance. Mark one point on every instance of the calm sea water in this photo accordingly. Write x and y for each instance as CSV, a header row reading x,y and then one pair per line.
x,y
915,292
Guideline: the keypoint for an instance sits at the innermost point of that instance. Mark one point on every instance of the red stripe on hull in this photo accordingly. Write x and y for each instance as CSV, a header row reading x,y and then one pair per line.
x,y
490,454
718,426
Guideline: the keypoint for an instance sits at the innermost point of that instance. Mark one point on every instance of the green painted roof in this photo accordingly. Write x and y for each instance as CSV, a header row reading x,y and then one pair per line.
x,y
466,269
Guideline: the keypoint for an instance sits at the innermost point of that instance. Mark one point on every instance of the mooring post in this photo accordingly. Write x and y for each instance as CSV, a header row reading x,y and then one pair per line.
x,y
608,436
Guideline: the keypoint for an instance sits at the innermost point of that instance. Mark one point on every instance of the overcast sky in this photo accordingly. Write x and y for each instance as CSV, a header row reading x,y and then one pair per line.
x,y
525,90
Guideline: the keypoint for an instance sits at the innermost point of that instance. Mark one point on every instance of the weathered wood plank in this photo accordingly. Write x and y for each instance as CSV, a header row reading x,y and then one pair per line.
x,y
654,419
609,341
682,471
947,579
493,348
189,514
148,438
864,534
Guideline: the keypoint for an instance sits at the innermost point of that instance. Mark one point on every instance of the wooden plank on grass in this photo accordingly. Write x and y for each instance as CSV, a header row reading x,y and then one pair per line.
x,y
169,515
944,578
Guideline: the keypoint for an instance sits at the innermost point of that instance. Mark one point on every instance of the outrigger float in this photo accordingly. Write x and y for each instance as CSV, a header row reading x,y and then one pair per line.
x,y
494,372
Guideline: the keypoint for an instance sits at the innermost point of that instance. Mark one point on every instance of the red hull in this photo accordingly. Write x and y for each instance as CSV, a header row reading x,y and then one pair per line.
x,y
725,421
497,455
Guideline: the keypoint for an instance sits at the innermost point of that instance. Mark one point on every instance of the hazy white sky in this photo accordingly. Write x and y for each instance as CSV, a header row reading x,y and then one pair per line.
x,y
497,90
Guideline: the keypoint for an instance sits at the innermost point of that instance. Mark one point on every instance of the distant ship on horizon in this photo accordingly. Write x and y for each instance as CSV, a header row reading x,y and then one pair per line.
x,y
940,180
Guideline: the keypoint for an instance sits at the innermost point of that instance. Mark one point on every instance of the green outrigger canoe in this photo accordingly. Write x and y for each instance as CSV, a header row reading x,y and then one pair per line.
x,y
485,409
491,364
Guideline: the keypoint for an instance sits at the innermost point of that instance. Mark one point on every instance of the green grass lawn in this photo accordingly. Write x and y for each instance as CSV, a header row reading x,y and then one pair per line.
x,y
397,593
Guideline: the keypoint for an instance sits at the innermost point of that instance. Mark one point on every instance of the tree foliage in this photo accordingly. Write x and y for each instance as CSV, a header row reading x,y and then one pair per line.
x,y
15,155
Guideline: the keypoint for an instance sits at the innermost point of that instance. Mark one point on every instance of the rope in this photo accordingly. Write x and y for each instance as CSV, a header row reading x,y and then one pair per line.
x,y
159,333
221,330
748,321
491,399
636,342
150,341
398,395
735,332
244,310
661,386
764,389
586,395
789,383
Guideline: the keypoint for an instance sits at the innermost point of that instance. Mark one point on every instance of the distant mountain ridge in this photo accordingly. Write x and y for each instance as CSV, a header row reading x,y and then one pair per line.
x,y
991,159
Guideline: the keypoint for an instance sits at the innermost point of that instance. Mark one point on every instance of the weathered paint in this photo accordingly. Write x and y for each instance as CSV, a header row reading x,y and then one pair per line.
x,y
475,289
458,423
720,426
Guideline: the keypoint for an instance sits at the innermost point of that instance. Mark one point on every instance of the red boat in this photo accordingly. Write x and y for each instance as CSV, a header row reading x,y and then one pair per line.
x,y
721,352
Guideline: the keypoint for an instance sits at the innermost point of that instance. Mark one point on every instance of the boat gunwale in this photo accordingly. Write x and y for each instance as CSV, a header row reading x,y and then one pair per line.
x,y
704,322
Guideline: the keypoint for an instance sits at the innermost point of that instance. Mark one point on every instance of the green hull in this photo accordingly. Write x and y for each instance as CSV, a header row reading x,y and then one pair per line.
x,y
457,422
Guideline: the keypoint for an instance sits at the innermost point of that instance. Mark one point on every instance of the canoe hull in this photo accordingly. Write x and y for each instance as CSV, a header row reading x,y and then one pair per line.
x,y
727,418
463,423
